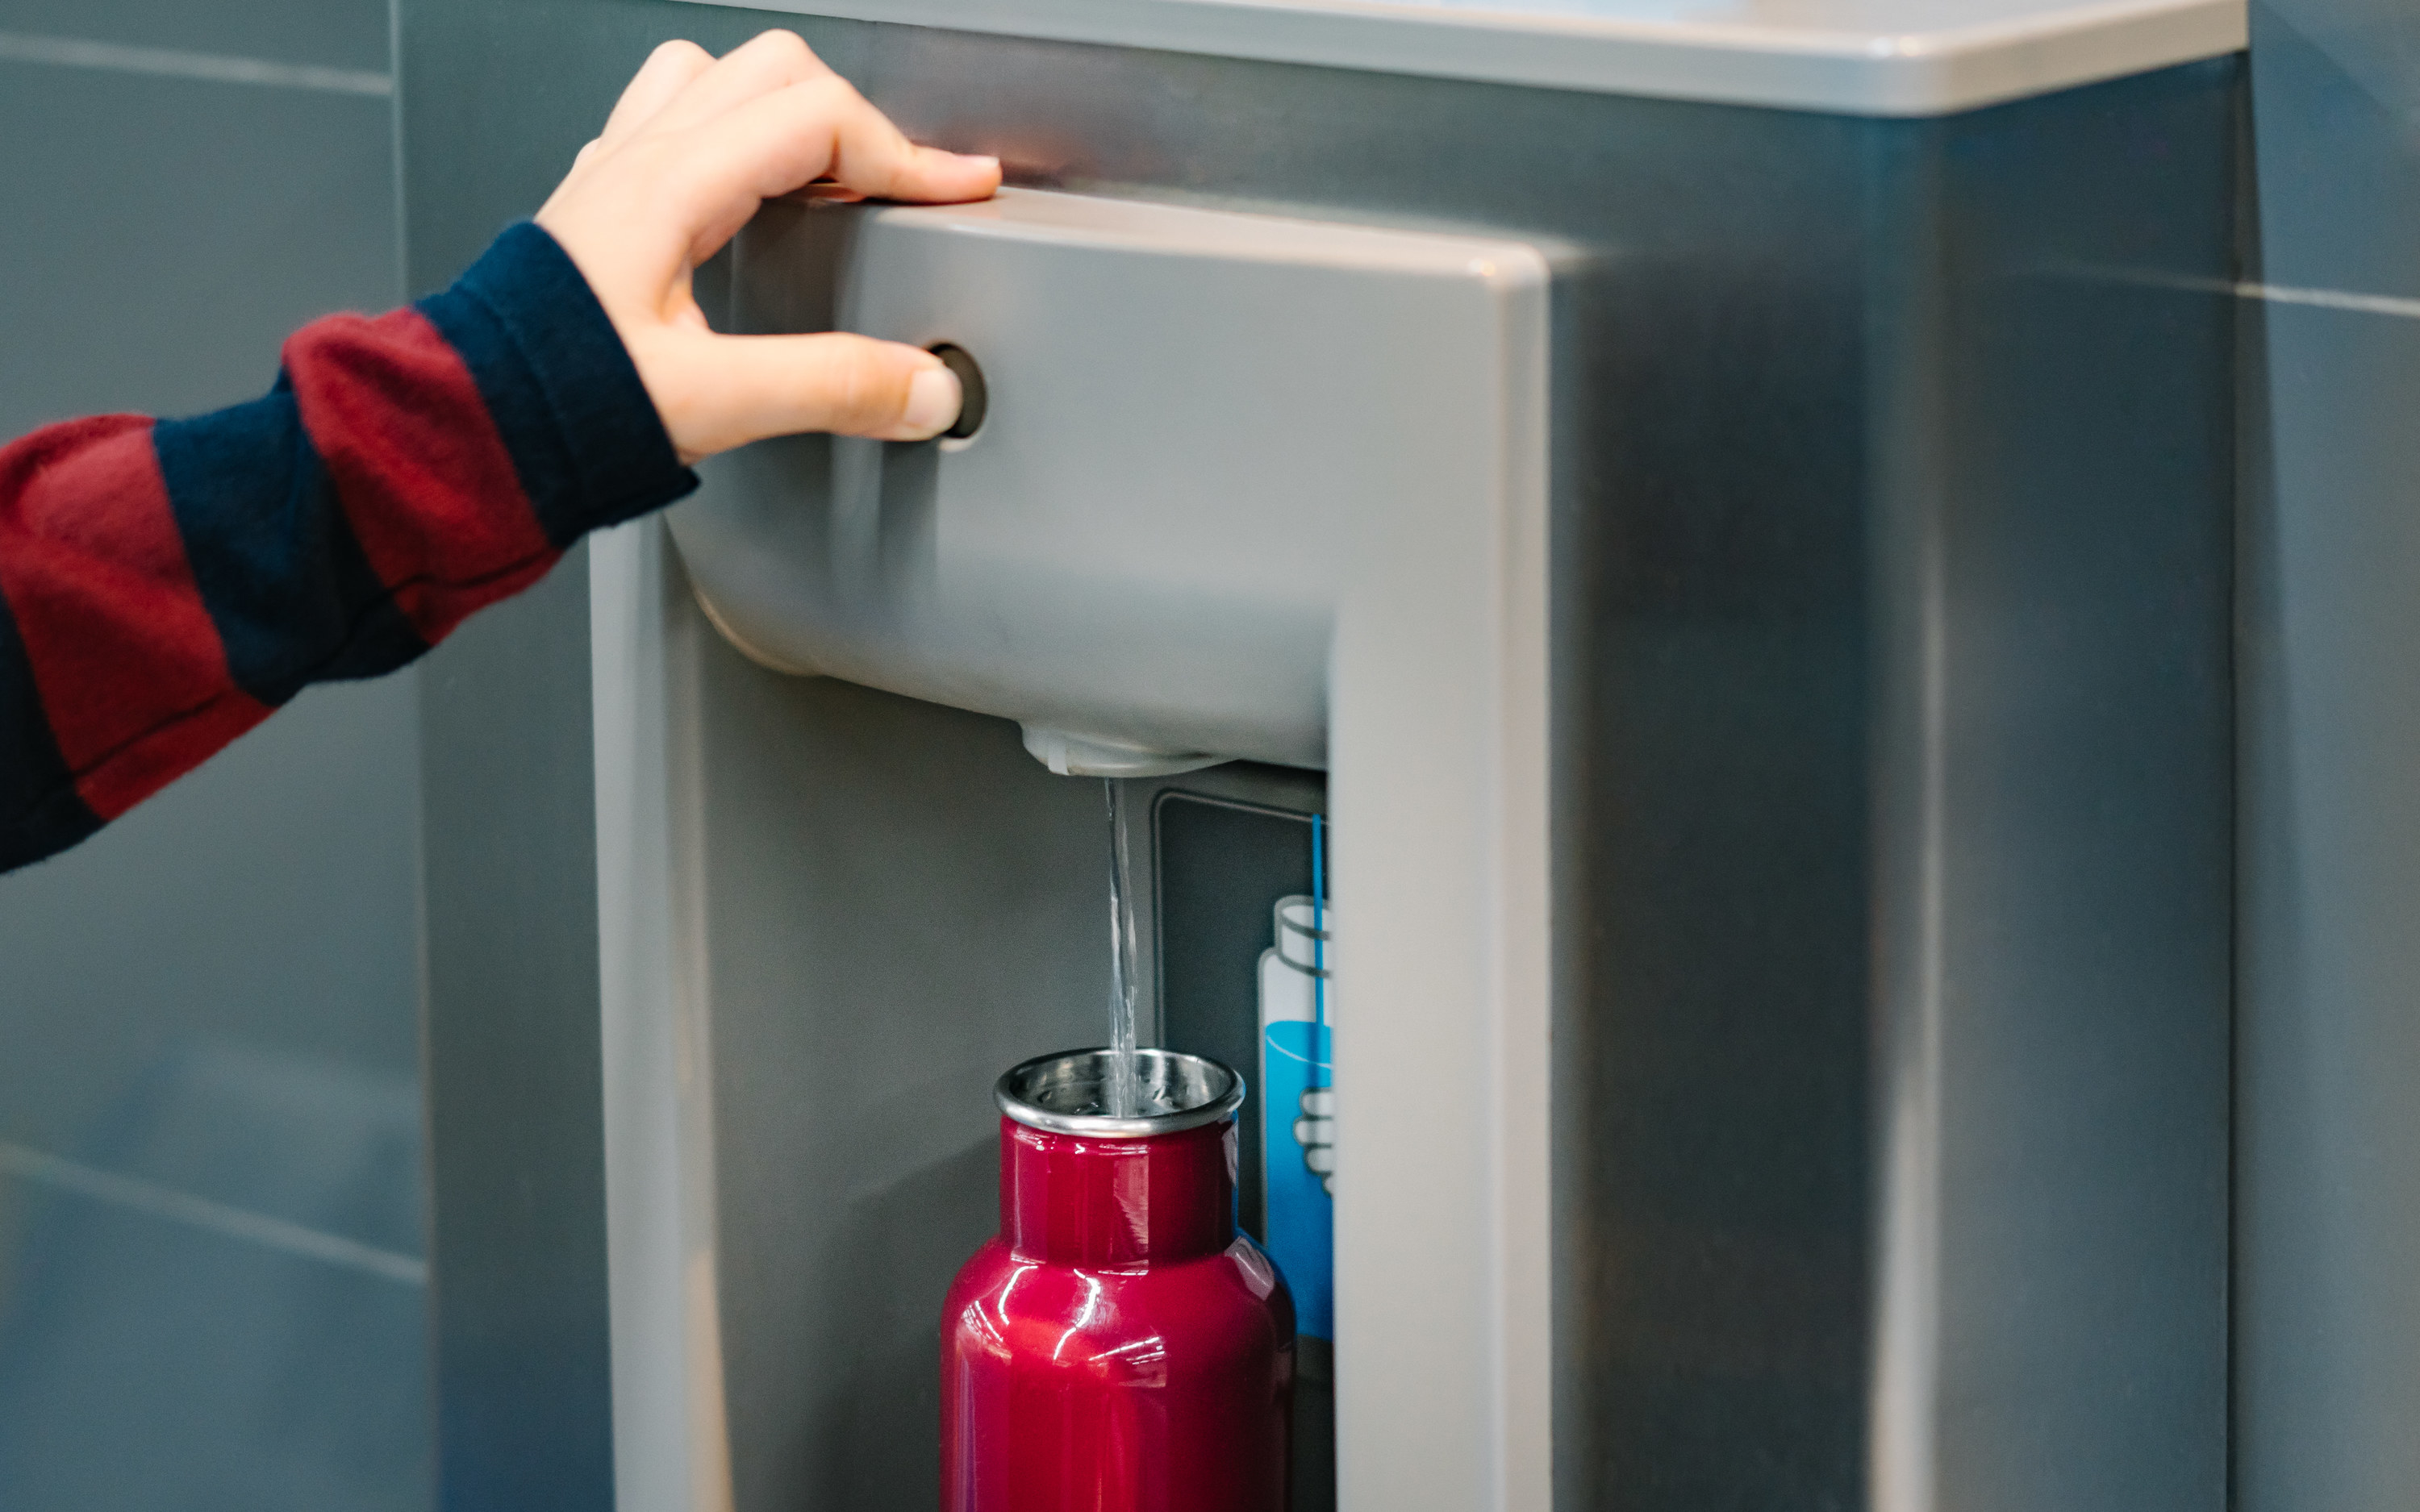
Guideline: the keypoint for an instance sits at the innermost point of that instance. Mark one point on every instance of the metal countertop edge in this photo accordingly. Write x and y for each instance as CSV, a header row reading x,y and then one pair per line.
x,y
1911,74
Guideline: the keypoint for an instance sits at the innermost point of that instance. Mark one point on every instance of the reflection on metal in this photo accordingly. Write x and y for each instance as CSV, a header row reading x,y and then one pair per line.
x,y
2351,302
660,1213
1065,1094
2331,298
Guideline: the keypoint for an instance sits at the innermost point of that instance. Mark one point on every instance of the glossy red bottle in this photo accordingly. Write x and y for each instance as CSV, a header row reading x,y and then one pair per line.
x,y
1120,1347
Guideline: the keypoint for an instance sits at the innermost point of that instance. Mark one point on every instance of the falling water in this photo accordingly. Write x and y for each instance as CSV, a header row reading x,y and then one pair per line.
x,y
1124,1091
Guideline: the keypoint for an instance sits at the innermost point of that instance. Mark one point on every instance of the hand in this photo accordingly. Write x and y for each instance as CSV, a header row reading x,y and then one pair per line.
x,y
695,145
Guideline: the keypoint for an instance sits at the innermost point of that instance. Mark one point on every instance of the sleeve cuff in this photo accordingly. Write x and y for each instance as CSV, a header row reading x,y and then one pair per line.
x,y
584,438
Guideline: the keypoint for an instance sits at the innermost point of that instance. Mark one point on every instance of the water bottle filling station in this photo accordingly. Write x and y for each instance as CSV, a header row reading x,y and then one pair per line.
x,y
1608,572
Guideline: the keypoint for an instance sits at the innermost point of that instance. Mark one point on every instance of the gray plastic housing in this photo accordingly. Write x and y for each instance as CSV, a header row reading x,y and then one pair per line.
x,y
1196,418
1247,486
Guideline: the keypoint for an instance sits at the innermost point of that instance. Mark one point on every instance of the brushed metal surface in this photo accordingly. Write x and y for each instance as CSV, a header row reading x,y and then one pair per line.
x,y
517,1255
1067,1093
2327,1369
1860,57
1892,531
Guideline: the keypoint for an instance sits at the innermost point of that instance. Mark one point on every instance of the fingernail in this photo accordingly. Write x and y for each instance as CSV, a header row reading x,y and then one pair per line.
x,y
933,400
983,158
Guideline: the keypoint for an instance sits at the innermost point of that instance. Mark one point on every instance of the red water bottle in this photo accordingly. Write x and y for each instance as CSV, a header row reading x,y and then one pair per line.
x,y
1120,1347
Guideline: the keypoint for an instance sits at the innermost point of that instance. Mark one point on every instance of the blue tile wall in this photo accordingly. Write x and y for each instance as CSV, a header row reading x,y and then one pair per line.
x,y
211,1258
346,34
257,1348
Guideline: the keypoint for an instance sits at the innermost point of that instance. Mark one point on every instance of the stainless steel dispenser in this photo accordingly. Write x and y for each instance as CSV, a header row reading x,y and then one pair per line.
x,y
1731,521
1247,486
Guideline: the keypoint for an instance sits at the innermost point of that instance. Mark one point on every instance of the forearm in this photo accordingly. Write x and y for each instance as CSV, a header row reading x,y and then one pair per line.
x,y
164,586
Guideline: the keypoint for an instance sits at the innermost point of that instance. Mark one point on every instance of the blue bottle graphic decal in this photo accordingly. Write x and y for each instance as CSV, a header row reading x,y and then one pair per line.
x,y
1298,1099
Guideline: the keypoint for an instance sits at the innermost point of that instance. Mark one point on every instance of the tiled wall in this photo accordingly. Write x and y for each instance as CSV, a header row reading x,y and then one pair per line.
x,y
211,1285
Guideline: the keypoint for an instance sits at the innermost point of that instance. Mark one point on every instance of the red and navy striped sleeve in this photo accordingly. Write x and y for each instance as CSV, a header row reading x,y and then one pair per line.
x,y
165,585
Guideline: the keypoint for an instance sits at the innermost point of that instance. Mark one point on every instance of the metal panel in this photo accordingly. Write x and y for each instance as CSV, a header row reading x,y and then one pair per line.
x,y
1860,57
517,1253
2328,1222
1892,685
892,903
2054,769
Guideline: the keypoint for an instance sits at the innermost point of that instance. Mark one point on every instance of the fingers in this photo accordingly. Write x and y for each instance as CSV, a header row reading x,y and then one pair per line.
x,y
778,142
871,157
694,146
770,61
741,389
668,69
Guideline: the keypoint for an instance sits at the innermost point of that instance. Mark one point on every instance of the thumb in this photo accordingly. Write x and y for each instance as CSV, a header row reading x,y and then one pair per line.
x,y
726,391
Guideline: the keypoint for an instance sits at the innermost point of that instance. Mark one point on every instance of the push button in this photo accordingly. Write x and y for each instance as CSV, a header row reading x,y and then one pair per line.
x,y
973,399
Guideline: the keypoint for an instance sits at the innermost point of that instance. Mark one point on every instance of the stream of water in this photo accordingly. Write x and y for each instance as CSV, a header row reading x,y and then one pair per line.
x,y
1124,1093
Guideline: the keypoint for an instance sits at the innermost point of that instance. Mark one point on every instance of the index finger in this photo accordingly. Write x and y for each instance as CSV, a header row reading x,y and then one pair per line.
x,y
825,129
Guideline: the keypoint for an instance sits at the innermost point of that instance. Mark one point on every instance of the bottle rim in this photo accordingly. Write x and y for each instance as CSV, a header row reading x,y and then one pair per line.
x,y
1064,1092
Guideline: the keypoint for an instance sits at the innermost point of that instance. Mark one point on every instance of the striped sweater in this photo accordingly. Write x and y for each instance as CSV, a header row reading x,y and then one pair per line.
x,y
166,584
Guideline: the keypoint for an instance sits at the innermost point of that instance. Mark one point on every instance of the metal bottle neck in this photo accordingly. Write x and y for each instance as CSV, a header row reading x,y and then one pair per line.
x,y
1112,1204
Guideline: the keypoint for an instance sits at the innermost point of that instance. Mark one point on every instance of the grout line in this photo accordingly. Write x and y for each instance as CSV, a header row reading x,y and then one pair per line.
x,y
200,1212
75,52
